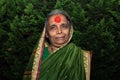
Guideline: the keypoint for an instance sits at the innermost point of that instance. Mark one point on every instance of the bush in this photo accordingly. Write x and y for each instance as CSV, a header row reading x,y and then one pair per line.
x,y
96,24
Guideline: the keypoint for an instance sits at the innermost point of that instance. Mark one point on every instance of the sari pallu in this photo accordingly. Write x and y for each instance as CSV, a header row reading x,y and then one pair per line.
x,y
65,64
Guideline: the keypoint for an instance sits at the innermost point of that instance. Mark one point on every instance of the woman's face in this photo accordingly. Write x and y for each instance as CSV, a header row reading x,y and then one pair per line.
x,y
58,30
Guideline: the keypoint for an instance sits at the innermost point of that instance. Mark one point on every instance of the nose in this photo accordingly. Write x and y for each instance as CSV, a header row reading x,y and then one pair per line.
x,y
59,30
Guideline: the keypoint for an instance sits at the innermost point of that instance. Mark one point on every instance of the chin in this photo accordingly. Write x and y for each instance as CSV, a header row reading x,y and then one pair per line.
x,y
60,43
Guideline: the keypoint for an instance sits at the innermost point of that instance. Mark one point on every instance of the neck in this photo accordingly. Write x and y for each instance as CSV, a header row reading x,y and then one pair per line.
x,y
52,48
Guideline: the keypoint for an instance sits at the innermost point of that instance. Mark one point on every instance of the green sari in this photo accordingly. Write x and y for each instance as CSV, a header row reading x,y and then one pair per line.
x,y
65,64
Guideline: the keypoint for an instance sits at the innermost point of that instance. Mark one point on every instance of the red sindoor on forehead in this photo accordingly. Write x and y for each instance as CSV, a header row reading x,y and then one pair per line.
x,y
57,19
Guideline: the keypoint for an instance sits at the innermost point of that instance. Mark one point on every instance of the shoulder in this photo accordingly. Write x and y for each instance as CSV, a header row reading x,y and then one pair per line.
x,y
86,52
87,57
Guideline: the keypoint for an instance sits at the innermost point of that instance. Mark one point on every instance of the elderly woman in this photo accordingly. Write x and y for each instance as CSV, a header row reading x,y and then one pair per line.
x,y
55,57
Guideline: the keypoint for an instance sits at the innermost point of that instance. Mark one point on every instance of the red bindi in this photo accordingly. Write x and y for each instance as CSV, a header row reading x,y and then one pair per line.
x,y
57,19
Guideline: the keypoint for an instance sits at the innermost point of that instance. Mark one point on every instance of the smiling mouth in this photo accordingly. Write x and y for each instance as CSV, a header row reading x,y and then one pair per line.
x,y
60,38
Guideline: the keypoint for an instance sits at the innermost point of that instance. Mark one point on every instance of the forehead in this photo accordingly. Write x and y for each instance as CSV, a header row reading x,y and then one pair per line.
x,y
57,18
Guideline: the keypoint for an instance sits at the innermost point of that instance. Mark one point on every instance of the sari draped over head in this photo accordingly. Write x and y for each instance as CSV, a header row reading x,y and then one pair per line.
x,y
68,62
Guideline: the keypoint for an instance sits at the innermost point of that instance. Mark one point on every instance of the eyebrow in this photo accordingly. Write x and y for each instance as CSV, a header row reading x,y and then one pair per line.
x,y
52,25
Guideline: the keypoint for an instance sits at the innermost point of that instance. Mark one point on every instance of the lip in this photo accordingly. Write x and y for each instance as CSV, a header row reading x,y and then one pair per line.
x,y
60,38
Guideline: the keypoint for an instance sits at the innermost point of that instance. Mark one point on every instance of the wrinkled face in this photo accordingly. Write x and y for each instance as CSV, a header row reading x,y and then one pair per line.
x,y
58,30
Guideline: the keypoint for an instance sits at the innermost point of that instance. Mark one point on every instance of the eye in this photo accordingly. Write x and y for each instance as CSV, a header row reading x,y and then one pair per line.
x,y
65,26
52,27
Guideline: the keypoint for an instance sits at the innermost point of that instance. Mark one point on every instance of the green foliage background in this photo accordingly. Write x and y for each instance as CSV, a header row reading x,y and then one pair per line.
x,y
96,24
